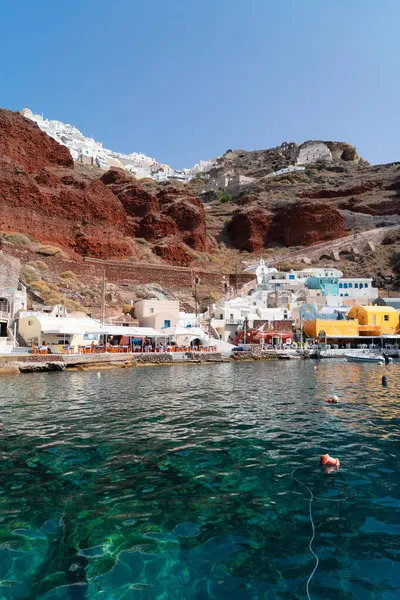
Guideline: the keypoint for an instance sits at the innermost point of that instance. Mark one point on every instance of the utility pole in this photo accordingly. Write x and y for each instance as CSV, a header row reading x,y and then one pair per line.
x,y
301,333
209,322
236,278
103,298
196,281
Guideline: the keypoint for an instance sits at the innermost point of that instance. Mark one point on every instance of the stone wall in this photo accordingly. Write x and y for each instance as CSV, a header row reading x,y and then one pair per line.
x,y
119,272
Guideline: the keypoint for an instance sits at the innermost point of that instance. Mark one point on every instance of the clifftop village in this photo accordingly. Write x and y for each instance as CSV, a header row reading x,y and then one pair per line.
x,y
281,313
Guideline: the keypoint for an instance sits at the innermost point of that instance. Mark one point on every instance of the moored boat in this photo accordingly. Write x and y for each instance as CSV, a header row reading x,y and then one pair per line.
x,y
370,358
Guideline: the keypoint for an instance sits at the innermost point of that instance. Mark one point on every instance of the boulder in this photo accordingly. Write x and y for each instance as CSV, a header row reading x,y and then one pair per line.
x,y
249,229
156,226
306,223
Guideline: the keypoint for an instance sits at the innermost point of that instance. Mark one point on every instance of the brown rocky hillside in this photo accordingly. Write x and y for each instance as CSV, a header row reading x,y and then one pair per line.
x,y
85,212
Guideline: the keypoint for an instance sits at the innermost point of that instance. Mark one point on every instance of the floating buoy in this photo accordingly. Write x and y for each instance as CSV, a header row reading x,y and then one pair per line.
x,y
333,399
384,381
329,461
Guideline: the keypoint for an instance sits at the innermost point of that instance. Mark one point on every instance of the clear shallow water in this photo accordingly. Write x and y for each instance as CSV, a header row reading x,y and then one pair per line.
x,y
174,483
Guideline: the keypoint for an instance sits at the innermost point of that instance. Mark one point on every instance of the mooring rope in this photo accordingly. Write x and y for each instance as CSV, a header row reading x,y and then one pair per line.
x,y
313,532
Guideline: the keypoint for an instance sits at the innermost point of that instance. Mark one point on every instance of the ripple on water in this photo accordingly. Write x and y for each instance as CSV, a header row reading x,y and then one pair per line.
x,y
175,483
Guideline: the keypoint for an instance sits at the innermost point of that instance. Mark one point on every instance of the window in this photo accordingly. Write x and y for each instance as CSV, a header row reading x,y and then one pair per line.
x,y
345,286
386,317
361,285
365,285
30,323
341,294
356,285
152,311
350,285
167,323
291,277
340,285
221,316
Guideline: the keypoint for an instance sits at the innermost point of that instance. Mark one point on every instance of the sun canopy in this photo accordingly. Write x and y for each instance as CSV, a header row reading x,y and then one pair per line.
x,y
148,332
177,330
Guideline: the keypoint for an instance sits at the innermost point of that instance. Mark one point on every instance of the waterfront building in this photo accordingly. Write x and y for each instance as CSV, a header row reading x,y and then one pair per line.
x,y
357,287
57,331
325,329
376,320
229,317
13,298
158,314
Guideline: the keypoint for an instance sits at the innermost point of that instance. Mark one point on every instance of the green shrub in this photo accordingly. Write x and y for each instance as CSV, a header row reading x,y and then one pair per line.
x,y
224,197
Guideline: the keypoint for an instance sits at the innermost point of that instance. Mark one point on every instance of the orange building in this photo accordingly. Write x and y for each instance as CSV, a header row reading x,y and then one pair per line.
x,y
375,320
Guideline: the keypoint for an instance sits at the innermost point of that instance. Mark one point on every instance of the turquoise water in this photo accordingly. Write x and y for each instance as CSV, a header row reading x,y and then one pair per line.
x,y
174,483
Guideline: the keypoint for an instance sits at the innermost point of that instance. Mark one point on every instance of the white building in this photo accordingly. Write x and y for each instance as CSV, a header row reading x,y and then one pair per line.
x,y
39,328
229,316
284,171
312,152
357,287
89,151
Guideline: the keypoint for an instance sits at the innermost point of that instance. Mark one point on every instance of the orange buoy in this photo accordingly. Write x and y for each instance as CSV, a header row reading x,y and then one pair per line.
x,y
333,399
328,460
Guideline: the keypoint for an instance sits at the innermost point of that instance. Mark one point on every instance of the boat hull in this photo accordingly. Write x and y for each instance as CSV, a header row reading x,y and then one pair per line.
x,y
367,359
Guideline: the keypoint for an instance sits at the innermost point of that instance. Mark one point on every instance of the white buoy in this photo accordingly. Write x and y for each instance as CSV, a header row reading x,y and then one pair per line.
x,y
333,399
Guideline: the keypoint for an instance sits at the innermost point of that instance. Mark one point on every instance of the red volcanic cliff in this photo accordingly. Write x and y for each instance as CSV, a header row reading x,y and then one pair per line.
x,y
170,211
249,229
305,223
22,142
41,195
299,223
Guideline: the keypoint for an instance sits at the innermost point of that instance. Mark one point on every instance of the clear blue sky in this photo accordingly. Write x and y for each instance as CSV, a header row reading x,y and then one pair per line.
x,y
183,80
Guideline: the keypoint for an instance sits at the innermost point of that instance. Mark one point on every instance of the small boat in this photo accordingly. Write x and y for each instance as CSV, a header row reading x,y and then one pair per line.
x,y
369,358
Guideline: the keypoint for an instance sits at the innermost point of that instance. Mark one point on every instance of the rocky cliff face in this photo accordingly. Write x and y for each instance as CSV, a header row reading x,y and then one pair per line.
x,y
297,224
167,211
42,193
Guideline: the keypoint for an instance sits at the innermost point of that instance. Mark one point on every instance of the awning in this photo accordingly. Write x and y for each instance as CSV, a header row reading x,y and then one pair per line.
x,y
148,332
180,331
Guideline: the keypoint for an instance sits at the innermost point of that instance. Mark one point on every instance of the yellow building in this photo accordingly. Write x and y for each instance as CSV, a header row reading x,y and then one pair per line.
x,y
331,329
375,320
